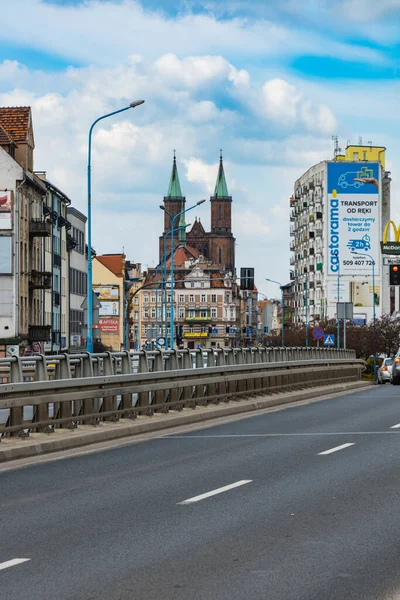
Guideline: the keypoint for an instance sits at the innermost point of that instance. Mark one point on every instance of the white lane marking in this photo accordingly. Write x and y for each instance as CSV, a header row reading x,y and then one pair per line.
x,y
261,435
395,426
336,449
12,563
215,492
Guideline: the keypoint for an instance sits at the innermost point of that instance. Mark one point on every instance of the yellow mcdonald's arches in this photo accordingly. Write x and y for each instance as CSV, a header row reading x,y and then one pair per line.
x,y
396,232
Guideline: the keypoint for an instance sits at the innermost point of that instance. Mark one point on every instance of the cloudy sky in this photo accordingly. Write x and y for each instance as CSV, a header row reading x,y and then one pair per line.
x,y
268,82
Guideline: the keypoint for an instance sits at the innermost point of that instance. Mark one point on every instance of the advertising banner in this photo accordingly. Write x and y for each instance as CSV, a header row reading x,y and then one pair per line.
x,y
5,210
109,325
353,226
106,292
109,309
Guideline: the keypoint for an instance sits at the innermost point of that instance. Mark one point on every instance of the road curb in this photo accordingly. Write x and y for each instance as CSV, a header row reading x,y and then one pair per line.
x,y
43,443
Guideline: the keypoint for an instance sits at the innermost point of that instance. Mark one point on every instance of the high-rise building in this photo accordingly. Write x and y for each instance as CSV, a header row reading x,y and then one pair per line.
x,y
338,212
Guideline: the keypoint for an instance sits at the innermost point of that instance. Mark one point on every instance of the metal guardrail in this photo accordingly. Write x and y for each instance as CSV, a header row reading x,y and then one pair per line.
x,y
88,388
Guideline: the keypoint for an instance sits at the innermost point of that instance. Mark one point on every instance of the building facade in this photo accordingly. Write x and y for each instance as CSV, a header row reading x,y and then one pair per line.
x,y
338,211
77,279
23,227
108,286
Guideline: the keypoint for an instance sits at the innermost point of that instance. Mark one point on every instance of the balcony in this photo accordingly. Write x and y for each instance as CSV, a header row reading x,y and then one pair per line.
x,y
196,335
56,260
39,333
40,280
40,228
198,319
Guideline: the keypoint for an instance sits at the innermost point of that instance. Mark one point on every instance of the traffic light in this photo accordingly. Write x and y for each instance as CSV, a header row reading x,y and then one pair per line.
x,y
394,274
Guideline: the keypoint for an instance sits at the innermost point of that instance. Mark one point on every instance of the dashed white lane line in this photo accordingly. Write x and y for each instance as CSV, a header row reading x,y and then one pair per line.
x,y
220,490
336,449
395,426
12,563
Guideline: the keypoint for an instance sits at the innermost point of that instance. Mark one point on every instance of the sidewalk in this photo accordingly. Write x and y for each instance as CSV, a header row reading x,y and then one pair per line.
x,y
65,439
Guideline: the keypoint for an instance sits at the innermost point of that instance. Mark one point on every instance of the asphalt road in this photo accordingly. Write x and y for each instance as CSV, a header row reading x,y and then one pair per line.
x,y
138,522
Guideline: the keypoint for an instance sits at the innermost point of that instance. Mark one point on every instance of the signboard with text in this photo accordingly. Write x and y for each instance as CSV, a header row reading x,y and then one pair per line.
x,y
353,218
109,309
109,325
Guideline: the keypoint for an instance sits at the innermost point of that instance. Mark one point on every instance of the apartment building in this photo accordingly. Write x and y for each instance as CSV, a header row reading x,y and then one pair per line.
x,y
109,288
77,279
338,211
23,226
206,304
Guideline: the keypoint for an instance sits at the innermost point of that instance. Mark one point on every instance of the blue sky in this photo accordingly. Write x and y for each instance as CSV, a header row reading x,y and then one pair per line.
x,y
268,82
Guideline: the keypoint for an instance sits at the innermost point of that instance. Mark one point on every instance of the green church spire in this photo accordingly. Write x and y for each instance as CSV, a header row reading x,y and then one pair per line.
x,y
174,188
221,189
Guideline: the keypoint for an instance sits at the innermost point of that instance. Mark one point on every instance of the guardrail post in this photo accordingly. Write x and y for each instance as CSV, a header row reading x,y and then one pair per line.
x,y
257,360
187,391
211,387
63,371
126,369
159,395
17,412
143,397
230,360
108,403
199,391
174,393
41,411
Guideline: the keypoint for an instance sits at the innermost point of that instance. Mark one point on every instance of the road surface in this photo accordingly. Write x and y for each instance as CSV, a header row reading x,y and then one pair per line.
x,y
298,504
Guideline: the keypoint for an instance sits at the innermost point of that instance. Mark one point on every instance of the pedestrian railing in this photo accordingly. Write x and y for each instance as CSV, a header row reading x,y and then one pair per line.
x,y
40,393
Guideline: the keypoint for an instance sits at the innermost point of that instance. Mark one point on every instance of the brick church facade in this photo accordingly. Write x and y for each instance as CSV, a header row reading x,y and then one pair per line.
x,y
217,245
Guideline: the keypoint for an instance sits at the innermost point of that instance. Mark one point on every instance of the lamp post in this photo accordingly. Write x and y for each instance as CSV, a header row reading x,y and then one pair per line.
x,y
283,310
373,305
89,222
173,219
164,264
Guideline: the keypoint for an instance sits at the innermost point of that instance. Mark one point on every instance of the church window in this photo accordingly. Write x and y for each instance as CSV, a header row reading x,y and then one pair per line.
x,y
220,255
219,211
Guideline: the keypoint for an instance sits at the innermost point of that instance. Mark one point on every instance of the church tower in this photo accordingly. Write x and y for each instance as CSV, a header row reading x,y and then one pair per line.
x,y
222,242
174,203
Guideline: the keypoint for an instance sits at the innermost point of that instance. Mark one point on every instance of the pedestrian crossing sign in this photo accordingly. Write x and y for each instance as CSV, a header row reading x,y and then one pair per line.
x,y
329,339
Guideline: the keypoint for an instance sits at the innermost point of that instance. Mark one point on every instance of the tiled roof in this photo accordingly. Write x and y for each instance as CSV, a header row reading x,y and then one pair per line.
x,y
16,120
183,254
113,262
5,139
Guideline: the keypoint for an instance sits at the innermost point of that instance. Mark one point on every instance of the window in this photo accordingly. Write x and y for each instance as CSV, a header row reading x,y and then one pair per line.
x,y
145,298
181,313
136,300
153,299
136,315
192,314
203,314
5,255
213,313
213,298
153,313
181,298
202,284
219,211
146,313
192,284
232,313
355,156
204,329
220,255
191,299
191,329
203,298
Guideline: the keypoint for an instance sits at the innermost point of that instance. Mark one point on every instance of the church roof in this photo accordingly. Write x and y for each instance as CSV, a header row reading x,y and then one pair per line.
x,y
221,189
197,229
174,188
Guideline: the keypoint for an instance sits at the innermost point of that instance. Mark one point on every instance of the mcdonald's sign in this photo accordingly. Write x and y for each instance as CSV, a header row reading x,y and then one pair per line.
x,y
391,247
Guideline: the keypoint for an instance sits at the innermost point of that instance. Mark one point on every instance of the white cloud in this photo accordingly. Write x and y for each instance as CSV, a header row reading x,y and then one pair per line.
x,y
251,224
197,171
284,104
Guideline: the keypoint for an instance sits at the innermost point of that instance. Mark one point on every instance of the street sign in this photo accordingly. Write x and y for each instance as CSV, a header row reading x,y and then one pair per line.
x,y
329,339
249,331
215,330
318,333
344,310
161,341
391,261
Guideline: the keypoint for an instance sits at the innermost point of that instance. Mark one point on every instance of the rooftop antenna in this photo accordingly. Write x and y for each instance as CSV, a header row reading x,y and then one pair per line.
x,y
336,149
360,140
369,143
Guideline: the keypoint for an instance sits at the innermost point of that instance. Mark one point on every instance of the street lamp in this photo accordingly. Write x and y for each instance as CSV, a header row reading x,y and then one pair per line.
x,y
283,310
173,219
89,222
373,304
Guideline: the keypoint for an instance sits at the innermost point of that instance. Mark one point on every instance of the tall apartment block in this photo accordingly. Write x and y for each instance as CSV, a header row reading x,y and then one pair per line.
x,y
339,209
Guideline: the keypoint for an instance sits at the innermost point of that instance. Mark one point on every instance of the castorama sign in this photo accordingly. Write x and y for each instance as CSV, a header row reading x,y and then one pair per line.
x,y
353,223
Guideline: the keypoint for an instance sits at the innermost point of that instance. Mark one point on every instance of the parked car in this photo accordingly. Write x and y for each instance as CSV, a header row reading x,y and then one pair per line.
x,y
385,371
395,374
